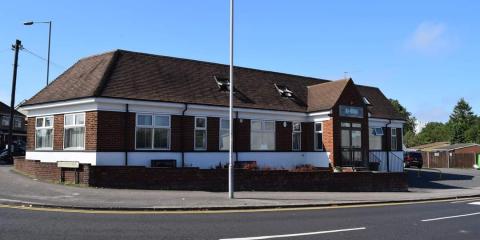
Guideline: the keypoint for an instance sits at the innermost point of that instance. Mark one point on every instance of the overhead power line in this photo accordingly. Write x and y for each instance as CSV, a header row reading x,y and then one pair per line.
x,y
42,58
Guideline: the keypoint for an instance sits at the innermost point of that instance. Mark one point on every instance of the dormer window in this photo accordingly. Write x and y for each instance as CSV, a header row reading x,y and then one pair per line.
x,y
223,83
365,100
284,91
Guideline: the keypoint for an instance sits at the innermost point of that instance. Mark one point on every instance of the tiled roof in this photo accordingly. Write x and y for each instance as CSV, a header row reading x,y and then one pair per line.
x,y
324,96
5,110
132,75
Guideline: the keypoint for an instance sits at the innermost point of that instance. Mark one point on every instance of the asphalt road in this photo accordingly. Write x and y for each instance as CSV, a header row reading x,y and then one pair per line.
x,y
380,222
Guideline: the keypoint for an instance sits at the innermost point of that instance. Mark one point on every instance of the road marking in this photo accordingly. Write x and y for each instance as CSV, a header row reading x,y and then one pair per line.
x,y
209,211
475,203
449,217
466,200
296,234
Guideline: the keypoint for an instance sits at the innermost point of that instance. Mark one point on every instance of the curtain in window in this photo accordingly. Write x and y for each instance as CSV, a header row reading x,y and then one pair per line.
x,y
74,137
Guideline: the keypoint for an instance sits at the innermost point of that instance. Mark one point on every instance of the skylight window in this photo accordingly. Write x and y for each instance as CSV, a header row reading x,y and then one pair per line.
x,y
223,83
365,100
284,91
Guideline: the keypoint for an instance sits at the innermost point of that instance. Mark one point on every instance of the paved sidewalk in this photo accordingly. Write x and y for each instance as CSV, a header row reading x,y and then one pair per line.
x,y
18,189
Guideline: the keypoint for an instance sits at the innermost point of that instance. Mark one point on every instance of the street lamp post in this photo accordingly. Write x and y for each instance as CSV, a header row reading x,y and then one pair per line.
x,y
230,111
49,41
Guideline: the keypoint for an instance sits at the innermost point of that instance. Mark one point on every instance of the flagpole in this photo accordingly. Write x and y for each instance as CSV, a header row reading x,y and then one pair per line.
x,y
230,112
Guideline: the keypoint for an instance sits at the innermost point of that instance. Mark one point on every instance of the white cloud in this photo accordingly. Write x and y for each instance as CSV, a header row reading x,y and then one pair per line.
x,y
430,38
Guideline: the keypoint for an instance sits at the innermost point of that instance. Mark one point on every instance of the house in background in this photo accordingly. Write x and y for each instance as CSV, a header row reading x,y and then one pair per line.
x,y
19,129
136,109
429,147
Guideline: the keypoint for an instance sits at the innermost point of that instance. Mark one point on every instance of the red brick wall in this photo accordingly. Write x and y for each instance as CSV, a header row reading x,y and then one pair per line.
x,y
91,123
472,149
176,133
213,133
110,135
31,134
188,130
58,132
50,171
308,136
283,136
328,137
242,135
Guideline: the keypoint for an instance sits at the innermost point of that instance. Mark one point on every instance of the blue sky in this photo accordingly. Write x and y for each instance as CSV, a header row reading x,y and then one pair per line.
x,y
424,53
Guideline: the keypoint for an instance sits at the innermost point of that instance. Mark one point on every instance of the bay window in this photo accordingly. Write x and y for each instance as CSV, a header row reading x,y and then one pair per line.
x,y
74,131
44,133
152,132
318,136
224,139
200,139
296,136
262,135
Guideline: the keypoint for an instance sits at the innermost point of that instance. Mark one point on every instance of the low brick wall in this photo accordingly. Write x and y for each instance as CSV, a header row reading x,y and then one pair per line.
x,y
245,180
215,180
50,172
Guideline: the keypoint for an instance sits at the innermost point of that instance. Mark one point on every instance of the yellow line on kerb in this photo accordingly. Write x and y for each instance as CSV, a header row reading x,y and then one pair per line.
x,y
158,212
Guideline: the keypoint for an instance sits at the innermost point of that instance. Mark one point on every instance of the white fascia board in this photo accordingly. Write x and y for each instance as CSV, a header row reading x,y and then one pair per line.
x,y
319,116
379,122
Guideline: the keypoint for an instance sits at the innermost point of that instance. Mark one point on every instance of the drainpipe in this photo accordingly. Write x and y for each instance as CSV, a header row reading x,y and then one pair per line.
x,y
125,142
183,135
388,152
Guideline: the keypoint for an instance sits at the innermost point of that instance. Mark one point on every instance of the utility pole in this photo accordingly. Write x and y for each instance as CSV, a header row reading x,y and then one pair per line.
x,y
16,47
230,112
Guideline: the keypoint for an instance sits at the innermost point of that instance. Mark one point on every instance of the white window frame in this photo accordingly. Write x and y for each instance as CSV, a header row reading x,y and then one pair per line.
x,y
263,130
393,135
74,125
316,132
220,129
152,128
200,129
373,132
293,133
44,127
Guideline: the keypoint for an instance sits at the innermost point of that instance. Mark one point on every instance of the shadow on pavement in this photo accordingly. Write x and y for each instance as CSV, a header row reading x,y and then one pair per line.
x,y
435,179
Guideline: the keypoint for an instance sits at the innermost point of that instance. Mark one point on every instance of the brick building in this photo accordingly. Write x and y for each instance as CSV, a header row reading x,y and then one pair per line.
x,y
124,108
19,129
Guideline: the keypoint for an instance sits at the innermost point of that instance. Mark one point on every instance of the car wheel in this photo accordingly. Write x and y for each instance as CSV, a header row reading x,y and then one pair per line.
x,y
420,166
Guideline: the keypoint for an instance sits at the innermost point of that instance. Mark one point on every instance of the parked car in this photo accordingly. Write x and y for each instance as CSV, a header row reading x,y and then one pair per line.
x,y
18,150
413,159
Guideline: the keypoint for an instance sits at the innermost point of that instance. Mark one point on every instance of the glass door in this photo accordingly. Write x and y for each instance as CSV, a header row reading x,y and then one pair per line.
x,y
351,144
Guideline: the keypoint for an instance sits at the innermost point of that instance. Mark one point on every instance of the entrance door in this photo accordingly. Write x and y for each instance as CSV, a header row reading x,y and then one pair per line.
x,y
351,144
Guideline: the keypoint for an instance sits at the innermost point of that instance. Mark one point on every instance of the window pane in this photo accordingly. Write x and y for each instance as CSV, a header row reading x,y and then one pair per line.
x,y
79,119
145,120
200,139
345,124
74,137
394,131
48,121
356,139
297,127
161,136
224,140
296,141
256,125
39,122
394,143
318,141
345,138
346,157
224,124
162,121
375,141
144,138
269,125
356,125
200,122
357,156
268,141
69,119
318,127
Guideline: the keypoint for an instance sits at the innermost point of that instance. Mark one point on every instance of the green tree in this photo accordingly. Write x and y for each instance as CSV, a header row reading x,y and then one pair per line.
x,y
411,120
473,133
461,120
433,132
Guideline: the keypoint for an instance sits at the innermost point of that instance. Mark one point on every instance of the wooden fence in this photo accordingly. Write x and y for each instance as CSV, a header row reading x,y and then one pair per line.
x,y
448,160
